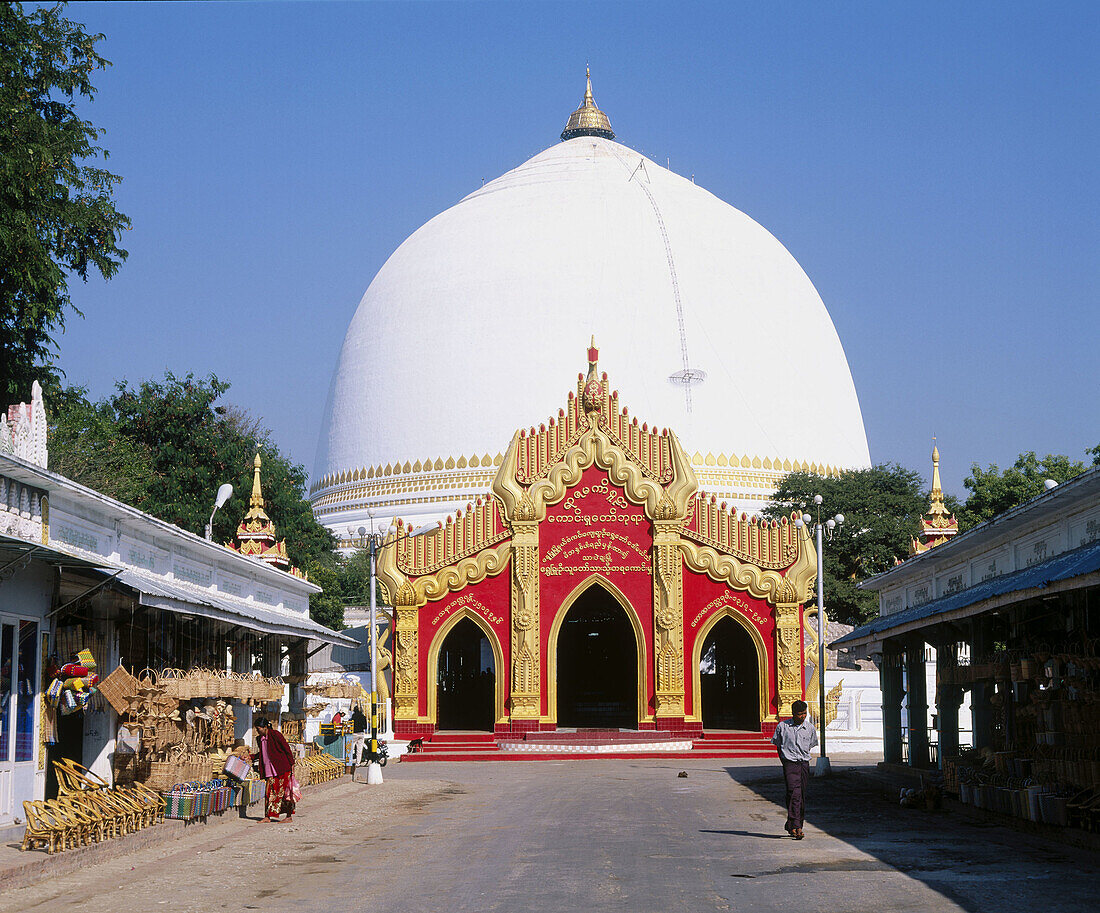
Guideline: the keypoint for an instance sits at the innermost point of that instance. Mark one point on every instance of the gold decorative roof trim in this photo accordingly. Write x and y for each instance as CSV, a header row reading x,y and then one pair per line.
x,y
769,544
463,534
707,464
426,466
796,586
472,569
537,451
595,447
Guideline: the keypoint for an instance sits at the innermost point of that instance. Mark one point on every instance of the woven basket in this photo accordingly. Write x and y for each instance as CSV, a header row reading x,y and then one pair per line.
x,y
168,733
176,684
227,684
200,683
117,688
163,775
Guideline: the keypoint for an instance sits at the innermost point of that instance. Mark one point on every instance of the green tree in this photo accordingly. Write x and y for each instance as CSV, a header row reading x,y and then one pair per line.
x,y
57,216
165,447
993,492
85,446
881,507
327,608
355,579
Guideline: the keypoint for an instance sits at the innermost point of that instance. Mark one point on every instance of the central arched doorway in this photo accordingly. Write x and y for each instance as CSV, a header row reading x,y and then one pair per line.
x,y
729,678
466,679
597,663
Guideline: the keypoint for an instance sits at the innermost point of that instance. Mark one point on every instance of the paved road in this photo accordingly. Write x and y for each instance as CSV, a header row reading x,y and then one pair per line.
x,y
593,835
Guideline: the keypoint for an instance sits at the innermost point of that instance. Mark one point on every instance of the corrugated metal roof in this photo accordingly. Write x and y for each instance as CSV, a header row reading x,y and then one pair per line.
x,y
176,596
1083,560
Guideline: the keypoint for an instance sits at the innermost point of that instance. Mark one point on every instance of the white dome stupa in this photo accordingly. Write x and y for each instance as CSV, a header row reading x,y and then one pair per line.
x,y
705,323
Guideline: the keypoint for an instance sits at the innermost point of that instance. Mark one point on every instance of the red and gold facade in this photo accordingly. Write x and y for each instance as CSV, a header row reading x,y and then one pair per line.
x,y
593,499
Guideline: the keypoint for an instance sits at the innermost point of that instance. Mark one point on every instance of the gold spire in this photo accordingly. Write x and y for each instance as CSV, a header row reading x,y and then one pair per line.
x,y
939,525
256,502
588,120
256,532
937,491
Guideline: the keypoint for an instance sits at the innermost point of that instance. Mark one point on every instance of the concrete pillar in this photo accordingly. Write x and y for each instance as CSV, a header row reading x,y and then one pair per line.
x,y
892,693
948,700
242,662
298,666
917,701
980,708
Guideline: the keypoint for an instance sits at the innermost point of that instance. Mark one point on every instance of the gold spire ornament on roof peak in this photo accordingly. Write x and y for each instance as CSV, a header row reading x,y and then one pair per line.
x,y
257,499
588,120
256,532
938,525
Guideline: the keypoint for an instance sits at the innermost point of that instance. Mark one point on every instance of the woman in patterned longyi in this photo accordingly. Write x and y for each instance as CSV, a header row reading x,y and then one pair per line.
x,y
277,767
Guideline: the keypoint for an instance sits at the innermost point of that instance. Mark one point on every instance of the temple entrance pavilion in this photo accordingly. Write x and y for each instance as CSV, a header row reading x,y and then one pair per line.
x,y
596,587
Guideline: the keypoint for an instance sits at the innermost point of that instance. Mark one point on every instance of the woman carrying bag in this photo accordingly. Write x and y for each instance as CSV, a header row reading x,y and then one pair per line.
x,y
276,762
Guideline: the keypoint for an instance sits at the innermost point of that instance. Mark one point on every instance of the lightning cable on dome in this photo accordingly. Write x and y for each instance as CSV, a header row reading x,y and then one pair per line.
x,y
687,376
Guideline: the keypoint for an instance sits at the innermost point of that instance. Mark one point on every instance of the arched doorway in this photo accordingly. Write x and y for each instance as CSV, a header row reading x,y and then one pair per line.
x,y
597,663
729,678
466,679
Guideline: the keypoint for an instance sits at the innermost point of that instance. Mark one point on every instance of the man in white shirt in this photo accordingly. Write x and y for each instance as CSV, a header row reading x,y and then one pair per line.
x,y
793,740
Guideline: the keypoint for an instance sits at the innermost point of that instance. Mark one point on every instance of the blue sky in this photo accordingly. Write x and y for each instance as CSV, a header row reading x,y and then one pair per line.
x,y
932,167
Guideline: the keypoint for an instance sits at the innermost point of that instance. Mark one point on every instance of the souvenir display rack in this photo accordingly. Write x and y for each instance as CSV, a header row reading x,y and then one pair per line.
x,y
1043,763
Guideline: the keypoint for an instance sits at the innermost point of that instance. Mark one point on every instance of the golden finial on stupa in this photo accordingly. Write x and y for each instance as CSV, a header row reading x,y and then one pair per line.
x,y
588,120
937,490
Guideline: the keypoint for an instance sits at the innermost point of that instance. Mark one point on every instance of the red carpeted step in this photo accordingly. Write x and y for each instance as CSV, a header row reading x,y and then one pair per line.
x,y
586,756
439,738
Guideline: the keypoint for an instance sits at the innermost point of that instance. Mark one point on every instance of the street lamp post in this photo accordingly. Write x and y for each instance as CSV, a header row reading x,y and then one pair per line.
x,y
225,492
821,530
375,541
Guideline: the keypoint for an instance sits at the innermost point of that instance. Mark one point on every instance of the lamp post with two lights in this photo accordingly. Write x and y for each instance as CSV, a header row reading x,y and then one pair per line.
x,y
821,530
374,542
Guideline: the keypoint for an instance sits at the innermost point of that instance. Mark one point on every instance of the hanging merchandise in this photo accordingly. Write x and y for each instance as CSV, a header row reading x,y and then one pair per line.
x,y
75,685
53,692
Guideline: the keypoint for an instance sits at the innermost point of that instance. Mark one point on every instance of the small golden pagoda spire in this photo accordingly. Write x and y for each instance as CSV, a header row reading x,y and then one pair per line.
x,y
588,120
937,490
939,525
256,502
256,533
